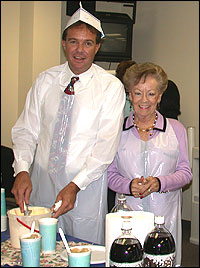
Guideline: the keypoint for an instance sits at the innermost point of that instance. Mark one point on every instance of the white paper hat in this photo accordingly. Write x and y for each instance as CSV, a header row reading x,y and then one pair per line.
x,y
83,15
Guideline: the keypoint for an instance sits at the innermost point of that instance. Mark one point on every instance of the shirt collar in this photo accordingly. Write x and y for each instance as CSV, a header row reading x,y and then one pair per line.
x,y
160,123
67,74
86,76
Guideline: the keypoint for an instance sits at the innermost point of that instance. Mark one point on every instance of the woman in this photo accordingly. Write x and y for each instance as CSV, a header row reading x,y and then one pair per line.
x,y
122,67
151,165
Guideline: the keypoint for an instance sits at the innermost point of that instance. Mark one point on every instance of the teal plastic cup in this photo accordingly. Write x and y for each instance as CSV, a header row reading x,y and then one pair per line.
x,y
30,249
3,202
79,258
48,231
3,211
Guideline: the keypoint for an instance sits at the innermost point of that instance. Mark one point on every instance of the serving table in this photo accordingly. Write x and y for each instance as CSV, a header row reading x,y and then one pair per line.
x,y
11,257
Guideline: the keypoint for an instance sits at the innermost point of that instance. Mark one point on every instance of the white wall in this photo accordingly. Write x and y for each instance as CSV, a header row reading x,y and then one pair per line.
x,y
10,22
167,33
31,33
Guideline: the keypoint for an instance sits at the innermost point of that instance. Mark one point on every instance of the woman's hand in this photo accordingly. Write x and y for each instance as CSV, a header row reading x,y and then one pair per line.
x,y
150,185
141,187
136,187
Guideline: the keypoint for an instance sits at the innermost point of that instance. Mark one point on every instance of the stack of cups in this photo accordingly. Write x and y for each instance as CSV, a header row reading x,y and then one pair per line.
x,y
3,211
48,231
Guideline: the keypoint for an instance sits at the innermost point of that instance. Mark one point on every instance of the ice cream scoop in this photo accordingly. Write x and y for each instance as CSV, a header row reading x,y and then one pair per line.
x,y
27,212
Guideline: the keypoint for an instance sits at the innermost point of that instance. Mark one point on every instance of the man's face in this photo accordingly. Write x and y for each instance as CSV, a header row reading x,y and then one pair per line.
x,y
80,48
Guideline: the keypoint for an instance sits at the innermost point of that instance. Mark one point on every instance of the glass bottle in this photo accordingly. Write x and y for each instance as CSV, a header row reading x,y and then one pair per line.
x,y
121,204
159,246
126,250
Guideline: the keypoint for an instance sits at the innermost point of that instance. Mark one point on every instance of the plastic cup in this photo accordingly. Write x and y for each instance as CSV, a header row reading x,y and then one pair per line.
x,y
3,202
3,211
3,223
48,230
30,249
79,258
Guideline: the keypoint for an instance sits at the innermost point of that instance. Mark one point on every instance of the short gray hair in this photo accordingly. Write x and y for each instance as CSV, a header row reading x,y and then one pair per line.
x,y
137,71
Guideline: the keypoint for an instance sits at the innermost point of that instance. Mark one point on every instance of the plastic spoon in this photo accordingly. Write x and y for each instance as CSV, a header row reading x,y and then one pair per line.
x,y
57,205
64,240
32,228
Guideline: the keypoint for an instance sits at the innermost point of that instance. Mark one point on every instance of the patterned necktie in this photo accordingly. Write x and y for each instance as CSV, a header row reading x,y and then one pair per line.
x,y
58,150
70,88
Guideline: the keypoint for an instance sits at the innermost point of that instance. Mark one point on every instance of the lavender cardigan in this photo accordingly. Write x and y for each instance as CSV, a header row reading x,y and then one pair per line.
x,y
171,182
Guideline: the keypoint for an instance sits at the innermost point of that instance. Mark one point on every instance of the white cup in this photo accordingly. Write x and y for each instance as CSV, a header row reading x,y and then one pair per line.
x,y
3,223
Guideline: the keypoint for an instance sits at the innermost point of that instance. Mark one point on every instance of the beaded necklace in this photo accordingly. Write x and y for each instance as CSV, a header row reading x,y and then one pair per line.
x,y
147,129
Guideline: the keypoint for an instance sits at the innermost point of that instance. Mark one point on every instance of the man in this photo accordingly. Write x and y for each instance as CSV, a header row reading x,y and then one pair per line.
x,y
92,119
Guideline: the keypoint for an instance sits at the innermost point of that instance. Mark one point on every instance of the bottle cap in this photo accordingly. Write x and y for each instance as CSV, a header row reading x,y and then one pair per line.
x,y
121,197
159,219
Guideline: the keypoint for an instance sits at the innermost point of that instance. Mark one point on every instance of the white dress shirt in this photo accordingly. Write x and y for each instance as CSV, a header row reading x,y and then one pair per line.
x,y
94,137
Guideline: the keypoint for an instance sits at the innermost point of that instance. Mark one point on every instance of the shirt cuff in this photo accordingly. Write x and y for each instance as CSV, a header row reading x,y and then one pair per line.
x,y
81,180
20,166
159,184
130,187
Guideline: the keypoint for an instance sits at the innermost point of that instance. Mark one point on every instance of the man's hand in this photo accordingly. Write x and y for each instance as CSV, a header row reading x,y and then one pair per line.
x,y
21,189
68,197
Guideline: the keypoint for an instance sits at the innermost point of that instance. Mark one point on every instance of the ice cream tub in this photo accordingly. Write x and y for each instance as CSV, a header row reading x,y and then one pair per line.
x,y
20,224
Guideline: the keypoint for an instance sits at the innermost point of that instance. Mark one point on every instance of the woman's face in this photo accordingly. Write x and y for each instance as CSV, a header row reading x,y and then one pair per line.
x,y
145,96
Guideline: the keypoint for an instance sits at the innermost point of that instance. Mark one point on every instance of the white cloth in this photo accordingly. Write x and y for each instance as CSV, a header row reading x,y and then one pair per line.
x,y
95,133
155,157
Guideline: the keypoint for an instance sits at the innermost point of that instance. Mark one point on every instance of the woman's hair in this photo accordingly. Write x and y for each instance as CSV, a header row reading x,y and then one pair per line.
x,y
91,28
139,71
122,67
169,105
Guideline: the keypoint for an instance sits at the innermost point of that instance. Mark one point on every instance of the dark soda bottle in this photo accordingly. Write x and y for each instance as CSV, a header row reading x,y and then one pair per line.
x,y
159,246
126,250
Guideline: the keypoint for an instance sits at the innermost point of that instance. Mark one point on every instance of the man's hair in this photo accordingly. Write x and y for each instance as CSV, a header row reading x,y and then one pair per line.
x,y
91,29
